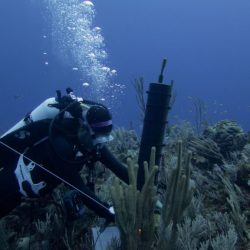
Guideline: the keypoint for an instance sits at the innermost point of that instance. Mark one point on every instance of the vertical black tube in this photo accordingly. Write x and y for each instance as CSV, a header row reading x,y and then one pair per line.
x,y
154,125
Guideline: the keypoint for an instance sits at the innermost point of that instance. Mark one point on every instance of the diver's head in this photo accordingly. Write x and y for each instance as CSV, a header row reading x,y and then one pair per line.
x,y
99,120
97,127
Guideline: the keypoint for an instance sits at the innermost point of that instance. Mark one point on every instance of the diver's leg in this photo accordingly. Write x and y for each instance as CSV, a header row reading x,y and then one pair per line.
x,y
9,191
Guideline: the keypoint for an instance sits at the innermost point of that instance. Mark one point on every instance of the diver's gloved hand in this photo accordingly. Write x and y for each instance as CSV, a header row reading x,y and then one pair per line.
x,y
108,220
66,103
158,207
75,109
111,216
74,204
112,210
108,213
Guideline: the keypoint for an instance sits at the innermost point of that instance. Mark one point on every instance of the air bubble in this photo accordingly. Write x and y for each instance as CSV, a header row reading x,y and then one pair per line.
x,y
88,3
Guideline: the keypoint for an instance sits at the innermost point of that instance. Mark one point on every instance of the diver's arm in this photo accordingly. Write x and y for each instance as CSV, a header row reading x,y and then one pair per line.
x,y
111,162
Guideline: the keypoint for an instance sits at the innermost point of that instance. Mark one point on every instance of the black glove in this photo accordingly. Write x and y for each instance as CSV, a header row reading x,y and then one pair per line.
x,y
75,109
74,204
111,217
66,103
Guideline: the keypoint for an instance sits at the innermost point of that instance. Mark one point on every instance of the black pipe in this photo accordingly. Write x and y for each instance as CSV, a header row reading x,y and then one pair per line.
x,y
155,120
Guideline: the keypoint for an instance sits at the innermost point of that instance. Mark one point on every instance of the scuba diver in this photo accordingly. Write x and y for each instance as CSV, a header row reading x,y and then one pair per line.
x,y
51,145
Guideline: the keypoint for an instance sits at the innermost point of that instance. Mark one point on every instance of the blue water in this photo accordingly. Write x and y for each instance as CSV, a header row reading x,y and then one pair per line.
x,y
206,44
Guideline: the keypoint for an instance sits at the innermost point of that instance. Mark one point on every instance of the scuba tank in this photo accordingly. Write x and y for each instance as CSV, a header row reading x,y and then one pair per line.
x,y
41,112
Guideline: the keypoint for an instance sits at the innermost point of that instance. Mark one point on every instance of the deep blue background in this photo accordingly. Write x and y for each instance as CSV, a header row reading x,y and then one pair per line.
x,y
207,44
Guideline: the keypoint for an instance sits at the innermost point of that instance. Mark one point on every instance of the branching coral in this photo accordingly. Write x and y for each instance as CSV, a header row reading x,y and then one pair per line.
x,y
200,119
135,210
183,131
177,198
3,238
125,144
238,217
243,175
246,152
207,148
139,90
225,241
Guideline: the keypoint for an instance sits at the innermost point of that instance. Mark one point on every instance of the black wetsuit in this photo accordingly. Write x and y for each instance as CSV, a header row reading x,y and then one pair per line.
x,y
56,149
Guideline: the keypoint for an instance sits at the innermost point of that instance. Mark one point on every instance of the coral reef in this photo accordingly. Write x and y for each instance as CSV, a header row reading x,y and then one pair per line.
x,y
41,224
217,216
